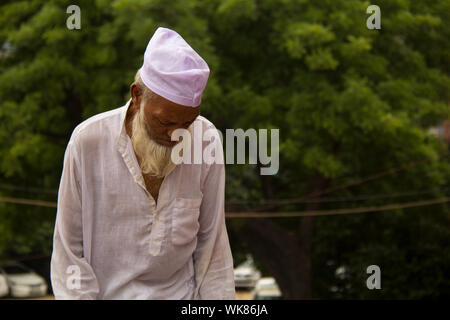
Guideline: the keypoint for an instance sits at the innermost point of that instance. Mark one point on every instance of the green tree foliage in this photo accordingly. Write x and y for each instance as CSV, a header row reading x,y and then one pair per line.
x,y
349,102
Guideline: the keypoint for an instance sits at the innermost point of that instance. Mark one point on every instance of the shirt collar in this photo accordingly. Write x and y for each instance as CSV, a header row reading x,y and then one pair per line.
x,y
123,136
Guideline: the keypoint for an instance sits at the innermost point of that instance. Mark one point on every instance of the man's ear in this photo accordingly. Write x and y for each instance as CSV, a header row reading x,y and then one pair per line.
x,y
136,94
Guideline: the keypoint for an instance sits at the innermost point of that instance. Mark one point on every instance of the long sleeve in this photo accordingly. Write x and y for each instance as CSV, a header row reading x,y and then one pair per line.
x,y
71,275
213,261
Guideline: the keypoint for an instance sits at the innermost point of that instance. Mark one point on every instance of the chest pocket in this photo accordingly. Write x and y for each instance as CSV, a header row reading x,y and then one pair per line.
x,y
185,223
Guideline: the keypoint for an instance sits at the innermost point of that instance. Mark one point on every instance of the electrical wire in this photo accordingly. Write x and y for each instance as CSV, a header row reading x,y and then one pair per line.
x,y
276,214
32,202
344,199
343,185
246,214
28,189
269,206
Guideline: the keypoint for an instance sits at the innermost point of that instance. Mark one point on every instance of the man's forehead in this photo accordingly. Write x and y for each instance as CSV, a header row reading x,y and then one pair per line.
x,y
169,112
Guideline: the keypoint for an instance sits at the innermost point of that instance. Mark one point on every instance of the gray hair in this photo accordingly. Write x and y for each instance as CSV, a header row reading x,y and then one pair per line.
x,y
147,94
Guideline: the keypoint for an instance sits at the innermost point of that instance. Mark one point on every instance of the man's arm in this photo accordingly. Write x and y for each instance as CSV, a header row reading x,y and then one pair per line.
x,y
213,261
71,275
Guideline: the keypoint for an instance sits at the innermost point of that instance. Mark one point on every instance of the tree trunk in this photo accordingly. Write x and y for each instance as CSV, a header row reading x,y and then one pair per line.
x,y
286,255
277,250
306,233
74,111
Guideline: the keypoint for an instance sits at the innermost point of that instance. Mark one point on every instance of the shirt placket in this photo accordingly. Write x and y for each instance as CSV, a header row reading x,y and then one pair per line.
x,y
158,227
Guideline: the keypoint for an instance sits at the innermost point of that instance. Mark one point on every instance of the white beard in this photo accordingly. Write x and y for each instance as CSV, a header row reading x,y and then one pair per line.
x,y
155,159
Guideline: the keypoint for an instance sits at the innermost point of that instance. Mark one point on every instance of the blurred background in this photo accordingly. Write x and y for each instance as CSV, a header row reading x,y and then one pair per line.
x,y
364,133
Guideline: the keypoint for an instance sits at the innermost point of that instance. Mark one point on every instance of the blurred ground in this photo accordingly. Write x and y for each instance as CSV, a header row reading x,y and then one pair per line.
x,y
49,297
244,295
240,295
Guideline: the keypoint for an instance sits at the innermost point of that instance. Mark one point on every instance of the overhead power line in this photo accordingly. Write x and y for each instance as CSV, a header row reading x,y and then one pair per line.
x,y
362,197
259,211
27,189
32,202
354,182
306,198
343,199
423,203
277,214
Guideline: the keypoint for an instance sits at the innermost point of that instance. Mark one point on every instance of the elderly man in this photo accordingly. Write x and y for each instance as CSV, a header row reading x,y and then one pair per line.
x,y
132,224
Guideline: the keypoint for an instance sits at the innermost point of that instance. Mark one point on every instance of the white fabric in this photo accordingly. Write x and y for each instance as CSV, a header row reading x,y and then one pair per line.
x,y
173,69
126,247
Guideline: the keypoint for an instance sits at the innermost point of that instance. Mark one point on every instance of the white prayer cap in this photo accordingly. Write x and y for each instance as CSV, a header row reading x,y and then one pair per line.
x,y
173,70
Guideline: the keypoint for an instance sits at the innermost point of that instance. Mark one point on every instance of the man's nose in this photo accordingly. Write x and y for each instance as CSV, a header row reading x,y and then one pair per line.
x,y
170,132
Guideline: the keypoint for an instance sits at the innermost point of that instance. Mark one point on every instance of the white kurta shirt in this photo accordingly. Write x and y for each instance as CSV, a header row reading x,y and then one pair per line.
x,y
112,241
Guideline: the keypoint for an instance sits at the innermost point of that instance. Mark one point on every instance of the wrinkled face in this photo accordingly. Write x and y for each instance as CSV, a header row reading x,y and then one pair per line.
x,y
163,117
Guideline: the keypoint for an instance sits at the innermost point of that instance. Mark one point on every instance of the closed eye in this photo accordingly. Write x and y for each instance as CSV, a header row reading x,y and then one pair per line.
x,y
164,123
168,123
